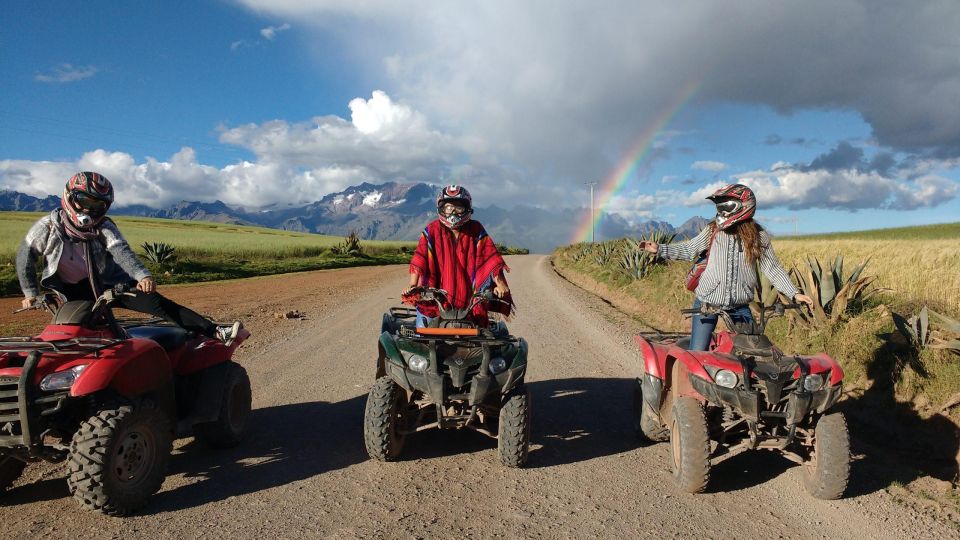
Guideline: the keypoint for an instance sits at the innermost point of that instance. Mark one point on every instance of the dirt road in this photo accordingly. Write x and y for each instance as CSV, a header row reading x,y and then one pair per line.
x,y
304,472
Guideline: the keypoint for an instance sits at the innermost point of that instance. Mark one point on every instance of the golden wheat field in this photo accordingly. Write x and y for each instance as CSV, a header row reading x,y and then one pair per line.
x,y
917,272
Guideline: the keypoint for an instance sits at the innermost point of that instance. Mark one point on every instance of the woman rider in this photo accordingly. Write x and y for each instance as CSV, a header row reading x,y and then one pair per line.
x,y
737,245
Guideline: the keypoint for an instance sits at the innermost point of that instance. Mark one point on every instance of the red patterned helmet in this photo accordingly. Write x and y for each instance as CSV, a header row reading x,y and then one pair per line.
x,y
454,206
735,203
86,199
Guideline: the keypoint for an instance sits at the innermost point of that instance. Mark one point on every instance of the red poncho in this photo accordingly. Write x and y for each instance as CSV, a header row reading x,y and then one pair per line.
x,y
460,266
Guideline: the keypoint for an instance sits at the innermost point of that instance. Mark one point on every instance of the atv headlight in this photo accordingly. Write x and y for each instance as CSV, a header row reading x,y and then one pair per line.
x,y
62,380
725,378
418,363
497,365
813,382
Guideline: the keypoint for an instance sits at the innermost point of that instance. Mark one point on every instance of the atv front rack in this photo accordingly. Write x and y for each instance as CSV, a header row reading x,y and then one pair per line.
x,y
81,345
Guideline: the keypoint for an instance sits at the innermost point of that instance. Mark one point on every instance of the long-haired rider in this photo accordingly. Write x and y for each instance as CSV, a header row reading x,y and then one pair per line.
x,y
739,246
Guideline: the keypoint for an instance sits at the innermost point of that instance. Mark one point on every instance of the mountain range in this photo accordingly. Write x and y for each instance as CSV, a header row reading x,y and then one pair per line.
x,y
390,211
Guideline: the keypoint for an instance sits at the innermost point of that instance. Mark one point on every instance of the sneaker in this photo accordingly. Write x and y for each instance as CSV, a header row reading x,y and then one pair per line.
x,y
227,333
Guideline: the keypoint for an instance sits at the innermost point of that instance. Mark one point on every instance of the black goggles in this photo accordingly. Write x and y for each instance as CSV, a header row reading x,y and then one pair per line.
x,y
88,204
725,208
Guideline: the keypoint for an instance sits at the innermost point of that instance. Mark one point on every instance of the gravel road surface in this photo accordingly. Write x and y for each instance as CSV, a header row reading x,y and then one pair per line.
x,y
303,472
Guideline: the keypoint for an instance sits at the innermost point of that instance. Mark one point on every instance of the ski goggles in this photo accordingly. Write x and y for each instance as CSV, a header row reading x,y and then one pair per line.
x,y
88,204
726,208
450,209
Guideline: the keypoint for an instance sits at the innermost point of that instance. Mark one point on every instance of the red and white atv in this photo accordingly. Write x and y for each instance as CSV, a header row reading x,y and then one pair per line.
x,y
742,394
110,398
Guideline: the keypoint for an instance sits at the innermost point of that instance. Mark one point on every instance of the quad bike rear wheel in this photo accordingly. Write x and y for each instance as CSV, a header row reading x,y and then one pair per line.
x,y
228,429
513,432
645,426
10,469
690,445
118,458
383,420
826,475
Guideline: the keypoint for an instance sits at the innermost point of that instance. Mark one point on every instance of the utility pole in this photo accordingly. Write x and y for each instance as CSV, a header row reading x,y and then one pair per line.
x,y
593,237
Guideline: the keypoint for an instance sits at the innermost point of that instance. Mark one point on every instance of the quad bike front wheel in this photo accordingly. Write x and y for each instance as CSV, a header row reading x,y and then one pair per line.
x,y
826,474
118,458
10,469
513,432
645,426
383,420
690,445
231,424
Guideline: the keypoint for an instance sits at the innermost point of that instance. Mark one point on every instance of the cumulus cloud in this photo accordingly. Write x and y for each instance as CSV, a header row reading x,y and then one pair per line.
x,y
850,189
295,163
714,166
511,73
66,73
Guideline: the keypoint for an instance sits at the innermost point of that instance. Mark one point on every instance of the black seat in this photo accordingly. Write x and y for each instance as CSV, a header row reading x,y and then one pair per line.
x,y
168,337
74,312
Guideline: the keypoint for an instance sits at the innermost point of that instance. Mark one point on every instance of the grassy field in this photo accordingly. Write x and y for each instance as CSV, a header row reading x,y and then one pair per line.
x,y
918,265
210,251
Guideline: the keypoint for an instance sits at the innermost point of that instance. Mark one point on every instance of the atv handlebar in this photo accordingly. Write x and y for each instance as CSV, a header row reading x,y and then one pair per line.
x,y
45,301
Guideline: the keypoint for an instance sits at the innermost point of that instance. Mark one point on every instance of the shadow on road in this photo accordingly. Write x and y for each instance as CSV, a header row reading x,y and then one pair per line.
x,y
580,419
44,490
285,444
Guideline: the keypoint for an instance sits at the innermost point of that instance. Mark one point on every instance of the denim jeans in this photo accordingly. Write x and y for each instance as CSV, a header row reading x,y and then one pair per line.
x,y
703,326
422,320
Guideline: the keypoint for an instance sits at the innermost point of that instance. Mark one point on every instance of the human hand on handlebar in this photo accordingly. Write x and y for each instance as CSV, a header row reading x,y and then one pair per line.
x,y
649,246
147,285
28,302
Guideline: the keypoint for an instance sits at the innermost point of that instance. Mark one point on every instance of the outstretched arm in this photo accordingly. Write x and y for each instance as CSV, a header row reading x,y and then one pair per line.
x,y
118,247
771,267
687,250
32,245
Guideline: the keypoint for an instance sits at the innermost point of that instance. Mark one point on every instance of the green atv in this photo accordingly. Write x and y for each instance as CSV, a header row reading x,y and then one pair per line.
x,y
452,374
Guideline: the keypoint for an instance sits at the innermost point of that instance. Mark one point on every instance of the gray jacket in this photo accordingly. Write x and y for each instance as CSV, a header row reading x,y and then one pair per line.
x,y
728,280
115,261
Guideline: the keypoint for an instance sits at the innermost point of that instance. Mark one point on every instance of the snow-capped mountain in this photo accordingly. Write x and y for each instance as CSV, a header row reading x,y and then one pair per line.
x,y
390,211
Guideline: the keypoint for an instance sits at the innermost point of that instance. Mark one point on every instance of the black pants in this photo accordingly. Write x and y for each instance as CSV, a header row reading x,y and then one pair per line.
x,y
154,303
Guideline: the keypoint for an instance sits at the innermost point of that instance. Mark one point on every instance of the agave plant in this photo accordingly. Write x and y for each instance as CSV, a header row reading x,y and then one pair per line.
x,y
831,291
915,329
159,252
349,246
638,262
953,327
603,252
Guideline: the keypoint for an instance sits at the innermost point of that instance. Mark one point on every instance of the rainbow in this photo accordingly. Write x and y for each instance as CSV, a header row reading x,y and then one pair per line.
x,y
631,160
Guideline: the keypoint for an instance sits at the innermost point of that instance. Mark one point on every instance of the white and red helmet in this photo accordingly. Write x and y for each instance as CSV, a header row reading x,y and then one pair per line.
x,y
86,199
459,197
735,203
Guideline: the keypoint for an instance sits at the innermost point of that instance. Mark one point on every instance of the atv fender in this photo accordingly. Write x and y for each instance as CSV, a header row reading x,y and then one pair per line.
x,y
682,365
649,361
131,368
388,351
213,382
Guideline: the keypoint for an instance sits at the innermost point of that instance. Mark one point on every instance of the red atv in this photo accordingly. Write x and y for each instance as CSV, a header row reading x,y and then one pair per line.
x,y
110,396
742,394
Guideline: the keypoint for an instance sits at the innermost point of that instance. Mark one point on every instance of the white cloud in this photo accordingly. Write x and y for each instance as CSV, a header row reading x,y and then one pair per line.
x,y
270,32
65,73
295,163
848,189
562,89
709,165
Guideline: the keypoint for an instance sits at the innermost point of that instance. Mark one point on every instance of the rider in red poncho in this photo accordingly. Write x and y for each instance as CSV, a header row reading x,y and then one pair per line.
x,y
457,255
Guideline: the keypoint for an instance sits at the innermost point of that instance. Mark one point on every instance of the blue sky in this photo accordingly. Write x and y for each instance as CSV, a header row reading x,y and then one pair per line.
x,y
842,114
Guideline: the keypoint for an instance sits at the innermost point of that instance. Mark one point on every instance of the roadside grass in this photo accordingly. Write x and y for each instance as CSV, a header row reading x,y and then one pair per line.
x,y
212,251
918,264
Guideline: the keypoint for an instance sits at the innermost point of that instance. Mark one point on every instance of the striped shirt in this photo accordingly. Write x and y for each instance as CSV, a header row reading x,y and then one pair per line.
x,y
729,280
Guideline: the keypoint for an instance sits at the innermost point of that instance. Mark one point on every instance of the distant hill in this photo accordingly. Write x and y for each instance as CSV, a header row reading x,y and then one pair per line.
x,y
390,211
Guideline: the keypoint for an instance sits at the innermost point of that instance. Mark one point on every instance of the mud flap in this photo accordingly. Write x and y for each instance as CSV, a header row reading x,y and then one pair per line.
x,y
206,408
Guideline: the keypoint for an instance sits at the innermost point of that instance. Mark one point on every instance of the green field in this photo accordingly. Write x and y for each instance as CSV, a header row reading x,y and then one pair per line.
x,y
209,251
